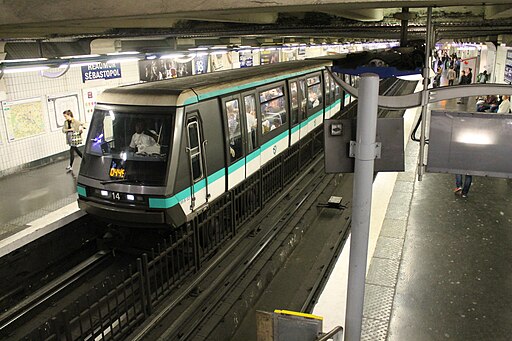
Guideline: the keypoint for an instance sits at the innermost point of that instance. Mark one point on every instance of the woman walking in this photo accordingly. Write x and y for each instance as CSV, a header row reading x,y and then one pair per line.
x,y
73,130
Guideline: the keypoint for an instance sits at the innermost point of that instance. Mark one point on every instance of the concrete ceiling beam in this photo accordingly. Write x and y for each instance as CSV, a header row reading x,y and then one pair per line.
x,y
375,14
498,12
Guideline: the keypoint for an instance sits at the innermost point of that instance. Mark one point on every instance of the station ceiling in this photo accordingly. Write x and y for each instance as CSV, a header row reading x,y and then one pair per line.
x,y
34,28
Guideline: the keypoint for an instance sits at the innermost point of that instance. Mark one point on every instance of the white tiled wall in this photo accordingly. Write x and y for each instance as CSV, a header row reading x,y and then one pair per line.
x,y
26,85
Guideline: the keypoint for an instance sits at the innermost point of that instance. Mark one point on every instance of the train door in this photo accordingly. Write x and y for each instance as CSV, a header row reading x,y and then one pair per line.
x,y
295,110
235,134
329,97
251,141
315,102
347,97
274,120
303,114
332,96
197,161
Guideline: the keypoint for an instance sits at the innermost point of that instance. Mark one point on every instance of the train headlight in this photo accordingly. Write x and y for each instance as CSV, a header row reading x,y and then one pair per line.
x,y
130,197
104,193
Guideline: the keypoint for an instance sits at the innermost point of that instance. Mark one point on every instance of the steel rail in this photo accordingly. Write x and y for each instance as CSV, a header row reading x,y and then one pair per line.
x,y
51,290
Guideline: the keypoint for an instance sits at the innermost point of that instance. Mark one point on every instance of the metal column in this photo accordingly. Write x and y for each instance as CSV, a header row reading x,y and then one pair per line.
x,y
424,96
365,151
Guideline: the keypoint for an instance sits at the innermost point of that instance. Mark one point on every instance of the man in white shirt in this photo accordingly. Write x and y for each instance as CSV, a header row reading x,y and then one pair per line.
x,y
139,139
504,107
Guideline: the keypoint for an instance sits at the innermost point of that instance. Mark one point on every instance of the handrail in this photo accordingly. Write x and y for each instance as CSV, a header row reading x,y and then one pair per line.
x,y
332,334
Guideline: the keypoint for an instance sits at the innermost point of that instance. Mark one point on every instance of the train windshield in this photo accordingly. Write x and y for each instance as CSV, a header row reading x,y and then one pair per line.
x,y
131,147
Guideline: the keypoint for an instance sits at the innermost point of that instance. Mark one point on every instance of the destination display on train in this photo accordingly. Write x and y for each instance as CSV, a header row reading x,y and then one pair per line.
x,y
117,170
101,71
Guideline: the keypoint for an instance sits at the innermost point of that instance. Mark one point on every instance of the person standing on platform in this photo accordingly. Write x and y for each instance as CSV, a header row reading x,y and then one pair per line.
x,y
459,188
482,77
504,107
457,66
73,130
469,76
451,76
463,81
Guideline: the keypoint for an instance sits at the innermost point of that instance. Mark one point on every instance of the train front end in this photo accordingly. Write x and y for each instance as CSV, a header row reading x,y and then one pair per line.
x,y
126,165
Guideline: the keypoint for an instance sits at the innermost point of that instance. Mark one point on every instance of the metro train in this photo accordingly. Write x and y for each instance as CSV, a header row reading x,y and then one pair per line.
x,y
160,153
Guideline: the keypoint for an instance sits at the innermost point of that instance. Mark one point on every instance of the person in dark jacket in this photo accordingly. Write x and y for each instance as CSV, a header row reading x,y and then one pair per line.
x,y
463,81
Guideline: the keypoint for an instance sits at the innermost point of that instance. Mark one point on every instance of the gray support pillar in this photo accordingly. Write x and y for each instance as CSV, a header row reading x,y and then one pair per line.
x,y
365,151
404,26
424,95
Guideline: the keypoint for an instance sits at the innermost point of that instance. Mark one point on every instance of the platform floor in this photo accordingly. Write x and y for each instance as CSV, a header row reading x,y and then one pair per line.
x,y
32,195
441,267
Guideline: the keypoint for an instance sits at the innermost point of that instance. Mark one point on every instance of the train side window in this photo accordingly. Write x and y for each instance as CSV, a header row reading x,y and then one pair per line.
x,y
273,109
294,105
304,98
232,109
194,149
314,93
252,122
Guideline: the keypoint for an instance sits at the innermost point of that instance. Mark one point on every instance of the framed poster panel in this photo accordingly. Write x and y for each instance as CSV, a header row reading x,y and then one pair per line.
x,y
56,105
23,118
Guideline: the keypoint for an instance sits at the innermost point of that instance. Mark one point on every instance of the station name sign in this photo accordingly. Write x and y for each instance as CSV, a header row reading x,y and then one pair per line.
x,y
101,71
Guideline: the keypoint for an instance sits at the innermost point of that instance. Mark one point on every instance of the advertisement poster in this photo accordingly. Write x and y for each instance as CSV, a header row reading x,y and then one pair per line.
x,y
101,71
508,68
56,105
220,61
23,118
184,67
200,64
157,69
245,58
269,57
289,55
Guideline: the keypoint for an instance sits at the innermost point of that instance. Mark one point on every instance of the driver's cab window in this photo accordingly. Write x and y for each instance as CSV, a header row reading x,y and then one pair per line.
x,y
127,135
145,139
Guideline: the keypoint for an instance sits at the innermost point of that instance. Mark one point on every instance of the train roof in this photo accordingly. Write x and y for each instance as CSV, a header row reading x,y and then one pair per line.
x,y
187,90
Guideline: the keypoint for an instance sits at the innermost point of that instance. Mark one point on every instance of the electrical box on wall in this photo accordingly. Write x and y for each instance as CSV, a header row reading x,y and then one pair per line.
x,y
340,134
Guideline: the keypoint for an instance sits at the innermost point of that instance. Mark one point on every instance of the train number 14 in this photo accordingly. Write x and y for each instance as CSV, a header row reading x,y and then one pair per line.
x,y
116,196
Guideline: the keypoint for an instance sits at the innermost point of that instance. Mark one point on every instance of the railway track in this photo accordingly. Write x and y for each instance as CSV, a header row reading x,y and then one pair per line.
x,y
25,310
221,276
217,290
188,277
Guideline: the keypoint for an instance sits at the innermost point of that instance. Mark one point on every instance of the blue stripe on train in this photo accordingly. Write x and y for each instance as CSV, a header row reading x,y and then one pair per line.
x,y
175,199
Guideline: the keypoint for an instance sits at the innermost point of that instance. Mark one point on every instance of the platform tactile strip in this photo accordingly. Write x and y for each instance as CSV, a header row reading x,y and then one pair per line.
x,y
378,301
374,330
393,228
389,248
383,272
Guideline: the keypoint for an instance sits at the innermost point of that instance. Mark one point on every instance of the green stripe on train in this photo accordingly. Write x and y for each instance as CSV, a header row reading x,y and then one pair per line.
x,y
175,199
237,88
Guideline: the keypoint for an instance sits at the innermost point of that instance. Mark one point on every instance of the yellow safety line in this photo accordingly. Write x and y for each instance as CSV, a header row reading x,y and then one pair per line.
x,y
294,313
